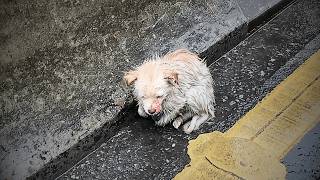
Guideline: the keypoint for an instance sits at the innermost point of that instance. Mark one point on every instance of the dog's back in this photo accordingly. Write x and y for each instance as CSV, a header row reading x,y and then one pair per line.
x,y
181,55
195,80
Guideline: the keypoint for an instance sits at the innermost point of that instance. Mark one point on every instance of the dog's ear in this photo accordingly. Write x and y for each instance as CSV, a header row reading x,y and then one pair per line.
x,y
130,77
172,78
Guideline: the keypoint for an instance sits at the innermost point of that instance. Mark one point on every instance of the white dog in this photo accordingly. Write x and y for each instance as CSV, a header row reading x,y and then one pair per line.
x,y
174,88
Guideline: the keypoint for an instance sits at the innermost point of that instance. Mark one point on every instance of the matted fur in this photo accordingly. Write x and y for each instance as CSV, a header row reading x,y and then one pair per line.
x,y
174,88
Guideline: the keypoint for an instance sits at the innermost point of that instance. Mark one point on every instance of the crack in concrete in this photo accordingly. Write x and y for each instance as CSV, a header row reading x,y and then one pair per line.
x,y
228,172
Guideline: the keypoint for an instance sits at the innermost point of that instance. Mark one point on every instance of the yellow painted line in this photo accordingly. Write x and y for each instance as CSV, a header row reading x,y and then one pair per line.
x,y
255,145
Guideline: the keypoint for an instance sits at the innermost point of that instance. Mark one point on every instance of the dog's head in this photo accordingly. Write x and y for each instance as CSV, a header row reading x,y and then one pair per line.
x,y
152,85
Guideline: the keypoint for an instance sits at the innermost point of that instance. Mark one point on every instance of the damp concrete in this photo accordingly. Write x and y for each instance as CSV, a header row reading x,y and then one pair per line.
x,y
303,160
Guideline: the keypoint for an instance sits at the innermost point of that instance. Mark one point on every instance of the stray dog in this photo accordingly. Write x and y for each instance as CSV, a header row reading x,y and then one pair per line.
x,y
174,88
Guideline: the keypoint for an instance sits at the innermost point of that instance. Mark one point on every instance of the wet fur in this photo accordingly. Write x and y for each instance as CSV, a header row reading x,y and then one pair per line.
x,y
184,83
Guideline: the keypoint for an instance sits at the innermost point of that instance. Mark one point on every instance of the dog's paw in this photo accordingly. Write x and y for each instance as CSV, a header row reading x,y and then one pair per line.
x,y
162,121
142,113
177,122
187,128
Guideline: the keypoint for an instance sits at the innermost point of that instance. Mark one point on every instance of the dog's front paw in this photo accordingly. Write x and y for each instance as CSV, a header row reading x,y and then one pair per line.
x,y
162,121
187,128
141,112
177,122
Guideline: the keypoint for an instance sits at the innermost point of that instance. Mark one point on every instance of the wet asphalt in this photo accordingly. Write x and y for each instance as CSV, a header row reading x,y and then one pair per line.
x,y
303,161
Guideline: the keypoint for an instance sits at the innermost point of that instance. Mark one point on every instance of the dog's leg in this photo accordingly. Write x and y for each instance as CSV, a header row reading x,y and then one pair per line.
x,y
195,123
201,120
165,119
189,126
141,112
177,122
180,119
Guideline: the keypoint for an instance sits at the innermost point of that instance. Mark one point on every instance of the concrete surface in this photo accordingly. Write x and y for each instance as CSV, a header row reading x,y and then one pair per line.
x,y
243,76
61,64
254,8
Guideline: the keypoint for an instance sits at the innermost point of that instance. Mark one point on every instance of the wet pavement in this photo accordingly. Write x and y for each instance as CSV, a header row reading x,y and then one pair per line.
x,y
303,161
243,76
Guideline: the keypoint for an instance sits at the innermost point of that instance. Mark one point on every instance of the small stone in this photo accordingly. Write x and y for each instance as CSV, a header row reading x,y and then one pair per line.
x,y
173,145
74,177
136,166
232,103
224,98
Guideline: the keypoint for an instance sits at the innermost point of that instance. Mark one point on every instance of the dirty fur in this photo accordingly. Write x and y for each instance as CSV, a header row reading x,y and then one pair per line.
x,y
174,88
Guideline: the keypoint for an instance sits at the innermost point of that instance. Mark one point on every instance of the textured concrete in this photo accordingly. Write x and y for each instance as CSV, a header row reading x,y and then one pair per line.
x,y
254,8
61,63
243,76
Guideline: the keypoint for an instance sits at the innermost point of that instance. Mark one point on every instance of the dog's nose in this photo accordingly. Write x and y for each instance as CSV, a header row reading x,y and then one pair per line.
x,y
151,111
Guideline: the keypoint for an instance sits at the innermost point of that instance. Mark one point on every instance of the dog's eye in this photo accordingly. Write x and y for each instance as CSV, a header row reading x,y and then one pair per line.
x,y
142,97
159,97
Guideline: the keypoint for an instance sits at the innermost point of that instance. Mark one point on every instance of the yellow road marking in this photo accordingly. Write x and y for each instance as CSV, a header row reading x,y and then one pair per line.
x,y
254,146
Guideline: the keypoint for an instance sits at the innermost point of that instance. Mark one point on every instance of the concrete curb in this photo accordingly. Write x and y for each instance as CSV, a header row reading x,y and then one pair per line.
x,y
60,76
